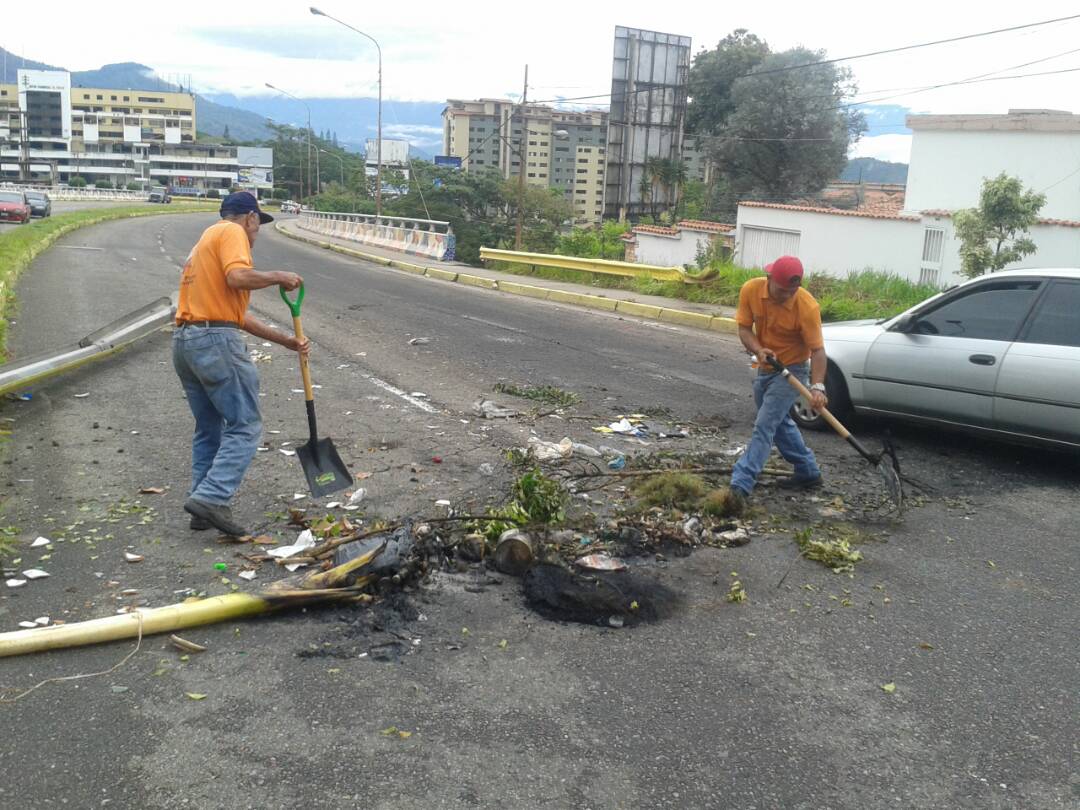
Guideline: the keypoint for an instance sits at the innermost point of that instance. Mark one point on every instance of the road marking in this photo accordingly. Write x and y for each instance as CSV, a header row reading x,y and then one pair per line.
x,y
399,393
496,325
79,247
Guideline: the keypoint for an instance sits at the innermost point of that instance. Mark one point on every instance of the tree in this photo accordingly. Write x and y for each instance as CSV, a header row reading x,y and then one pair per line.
x,y
673,175
713,74
225,134
994,235
779,124
655,168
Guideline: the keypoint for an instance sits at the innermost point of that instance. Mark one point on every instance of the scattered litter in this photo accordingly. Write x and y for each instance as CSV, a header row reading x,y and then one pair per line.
x,y
514,552
274,432
248,575
185,645
734,451
492,410
350,508
304,541
298,496
549,451
617,463
195,695
285,444
600,562
15,583
268,345
291,567
735,537
631,426
27,625
25,397
418,395
260,357
419,341
152,491
133,558
888,688
487,468
41,541
436,459
585,450
333,505
220,566
82,396
35,573
616,621
443,502
286,452
342,366
357,497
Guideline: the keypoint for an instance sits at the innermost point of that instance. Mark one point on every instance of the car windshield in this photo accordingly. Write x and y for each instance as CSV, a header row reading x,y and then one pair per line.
x,y
36,195
11,196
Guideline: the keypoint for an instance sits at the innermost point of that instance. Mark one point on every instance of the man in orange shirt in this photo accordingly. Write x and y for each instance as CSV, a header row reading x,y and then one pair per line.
x,y
778,318
211,359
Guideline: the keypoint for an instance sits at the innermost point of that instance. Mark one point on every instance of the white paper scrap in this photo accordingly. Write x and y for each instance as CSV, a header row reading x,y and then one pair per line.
x,y
292,567
298,496
15,583
305,540
82,396
248,575
41,620
35,573
285,452
27,625
41,541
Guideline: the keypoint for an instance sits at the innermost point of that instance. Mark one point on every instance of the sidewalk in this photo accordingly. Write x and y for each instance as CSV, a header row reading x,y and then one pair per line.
x,y
653,307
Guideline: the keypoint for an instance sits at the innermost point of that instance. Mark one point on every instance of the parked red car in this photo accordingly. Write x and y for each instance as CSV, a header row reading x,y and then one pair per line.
x,y
14,206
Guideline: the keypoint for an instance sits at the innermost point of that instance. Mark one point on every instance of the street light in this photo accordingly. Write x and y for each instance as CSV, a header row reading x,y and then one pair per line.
x,y
339,160
378,136
290,95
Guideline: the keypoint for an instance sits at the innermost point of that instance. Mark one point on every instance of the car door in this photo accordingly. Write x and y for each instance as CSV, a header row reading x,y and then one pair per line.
x,y
1038,387
944,362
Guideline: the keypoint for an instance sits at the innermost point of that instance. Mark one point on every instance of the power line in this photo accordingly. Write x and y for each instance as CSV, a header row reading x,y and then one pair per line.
x,y
845,58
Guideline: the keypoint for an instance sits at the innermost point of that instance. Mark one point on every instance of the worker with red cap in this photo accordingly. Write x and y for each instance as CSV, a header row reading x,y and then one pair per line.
x,y
779,319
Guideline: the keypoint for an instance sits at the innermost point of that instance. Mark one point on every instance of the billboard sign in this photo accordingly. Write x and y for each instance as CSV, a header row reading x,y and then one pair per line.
x,y
450,161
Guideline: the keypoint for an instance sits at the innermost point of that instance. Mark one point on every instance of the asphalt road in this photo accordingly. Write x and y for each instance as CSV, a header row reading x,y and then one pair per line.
x,y
61,207
967,605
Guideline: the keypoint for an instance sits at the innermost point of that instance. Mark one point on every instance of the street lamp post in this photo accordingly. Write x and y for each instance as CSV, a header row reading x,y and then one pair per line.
x,y
290,95
339,160
378,136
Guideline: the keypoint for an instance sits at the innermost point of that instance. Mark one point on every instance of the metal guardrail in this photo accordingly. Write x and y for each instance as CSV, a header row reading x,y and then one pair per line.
x,y
421,237
95,346
69,193
604,266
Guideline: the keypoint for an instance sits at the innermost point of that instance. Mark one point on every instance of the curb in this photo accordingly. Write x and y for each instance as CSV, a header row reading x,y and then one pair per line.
x,y
694,320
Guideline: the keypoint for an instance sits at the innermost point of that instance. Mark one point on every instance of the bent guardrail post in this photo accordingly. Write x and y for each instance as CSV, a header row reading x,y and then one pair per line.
x,y
95,346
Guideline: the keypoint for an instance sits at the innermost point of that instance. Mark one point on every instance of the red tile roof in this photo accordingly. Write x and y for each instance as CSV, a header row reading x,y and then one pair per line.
x,y
662,230
1064,223
702,225
811,209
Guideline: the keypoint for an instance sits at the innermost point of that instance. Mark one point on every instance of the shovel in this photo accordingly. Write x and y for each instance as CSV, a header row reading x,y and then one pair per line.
x,y
884,462
323,467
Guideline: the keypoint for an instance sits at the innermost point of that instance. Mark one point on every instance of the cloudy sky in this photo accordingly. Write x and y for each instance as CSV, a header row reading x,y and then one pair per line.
x,y
432,51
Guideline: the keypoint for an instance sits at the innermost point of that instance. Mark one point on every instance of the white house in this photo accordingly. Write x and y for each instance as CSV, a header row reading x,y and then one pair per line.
x,y
951,155
675,246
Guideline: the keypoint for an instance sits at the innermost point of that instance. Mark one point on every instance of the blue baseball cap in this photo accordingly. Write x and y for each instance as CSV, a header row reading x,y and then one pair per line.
x,y
243,202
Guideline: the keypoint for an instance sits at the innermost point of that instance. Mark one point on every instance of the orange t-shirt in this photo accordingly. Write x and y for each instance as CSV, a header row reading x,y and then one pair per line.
x,y
205,295
792,329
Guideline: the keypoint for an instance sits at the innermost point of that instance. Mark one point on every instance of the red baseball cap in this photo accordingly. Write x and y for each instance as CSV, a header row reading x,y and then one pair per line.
x,y
785,270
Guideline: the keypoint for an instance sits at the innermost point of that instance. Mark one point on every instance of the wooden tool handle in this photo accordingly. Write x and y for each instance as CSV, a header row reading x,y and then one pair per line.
x,y
305,372
828,417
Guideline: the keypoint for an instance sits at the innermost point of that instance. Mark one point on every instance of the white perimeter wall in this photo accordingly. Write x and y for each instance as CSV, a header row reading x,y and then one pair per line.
x,y
670,251
838,245
948,166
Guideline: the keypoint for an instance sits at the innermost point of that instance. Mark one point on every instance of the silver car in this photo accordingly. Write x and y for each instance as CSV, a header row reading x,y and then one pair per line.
x,y
998,355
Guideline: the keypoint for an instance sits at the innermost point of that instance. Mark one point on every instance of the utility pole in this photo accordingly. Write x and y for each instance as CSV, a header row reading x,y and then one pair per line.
x,y
523,150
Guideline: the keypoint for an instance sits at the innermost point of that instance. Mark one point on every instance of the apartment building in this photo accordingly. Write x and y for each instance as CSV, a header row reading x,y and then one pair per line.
x,y
562,149
51,132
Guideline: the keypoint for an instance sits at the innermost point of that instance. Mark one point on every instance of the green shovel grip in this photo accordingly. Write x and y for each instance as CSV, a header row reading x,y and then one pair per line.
x,y
294,306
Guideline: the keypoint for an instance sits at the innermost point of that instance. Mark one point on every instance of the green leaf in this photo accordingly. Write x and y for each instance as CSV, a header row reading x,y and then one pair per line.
x,y
888,688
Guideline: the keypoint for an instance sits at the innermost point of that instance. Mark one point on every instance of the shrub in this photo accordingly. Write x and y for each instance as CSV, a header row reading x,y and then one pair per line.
x,y
280,194
134,186
103,184
212,194
77,182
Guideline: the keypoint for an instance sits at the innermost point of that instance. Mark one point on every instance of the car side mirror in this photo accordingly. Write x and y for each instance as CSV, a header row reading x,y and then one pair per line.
x,y
905,325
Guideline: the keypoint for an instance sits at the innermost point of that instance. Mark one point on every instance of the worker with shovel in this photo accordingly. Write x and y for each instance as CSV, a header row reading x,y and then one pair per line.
x,y
209,355
780,321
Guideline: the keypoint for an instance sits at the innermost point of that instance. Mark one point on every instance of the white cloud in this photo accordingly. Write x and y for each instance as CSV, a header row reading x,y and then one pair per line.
x,y
893,148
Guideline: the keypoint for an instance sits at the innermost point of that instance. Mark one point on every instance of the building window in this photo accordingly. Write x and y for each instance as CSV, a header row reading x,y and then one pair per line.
x,y
99,98
532,174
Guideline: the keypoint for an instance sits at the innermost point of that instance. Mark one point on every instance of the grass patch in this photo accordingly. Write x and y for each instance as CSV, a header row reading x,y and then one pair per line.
x,y
682,491
721,503
865,294
8,541
20,246
547,394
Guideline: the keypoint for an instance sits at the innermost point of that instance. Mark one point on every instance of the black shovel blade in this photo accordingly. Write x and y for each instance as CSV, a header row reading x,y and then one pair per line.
x,y
323,467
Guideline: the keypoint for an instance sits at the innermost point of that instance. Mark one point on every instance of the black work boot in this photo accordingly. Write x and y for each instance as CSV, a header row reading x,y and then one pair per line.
x,y
220,517
794,483
197,524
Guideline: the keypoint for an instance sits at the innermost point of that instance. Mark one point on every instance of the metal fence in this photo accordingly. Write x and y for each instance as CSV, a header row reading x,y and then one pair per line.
x,y
69,193
421,237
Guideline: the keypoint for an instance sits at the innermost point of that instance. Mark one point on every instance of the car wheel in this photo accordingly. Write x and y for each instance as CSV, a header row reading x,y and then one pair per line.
x,y
839,403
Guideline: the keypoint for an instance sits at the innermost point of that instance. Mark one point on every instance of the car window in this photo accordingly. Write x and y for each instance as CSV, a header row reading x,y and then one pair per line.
x,y
988,312
1057,320
11,196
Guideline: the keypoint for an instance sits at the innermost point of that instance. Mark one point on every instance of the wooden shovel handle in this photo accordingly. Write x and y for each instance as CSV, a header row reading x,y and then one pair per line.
x,y
828,417
305,372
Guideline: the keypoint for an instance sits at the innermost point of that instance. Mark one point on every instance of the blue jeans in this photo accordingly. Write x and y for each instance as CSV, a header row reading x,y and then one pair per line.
x,y
774,397
222,390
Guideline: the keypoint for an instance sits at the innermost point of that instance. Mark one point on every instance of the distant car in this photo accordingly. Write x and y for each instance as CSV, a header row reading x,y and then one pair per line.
x,y
14,206
290,207
159,194
187,191
998,355
40,204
